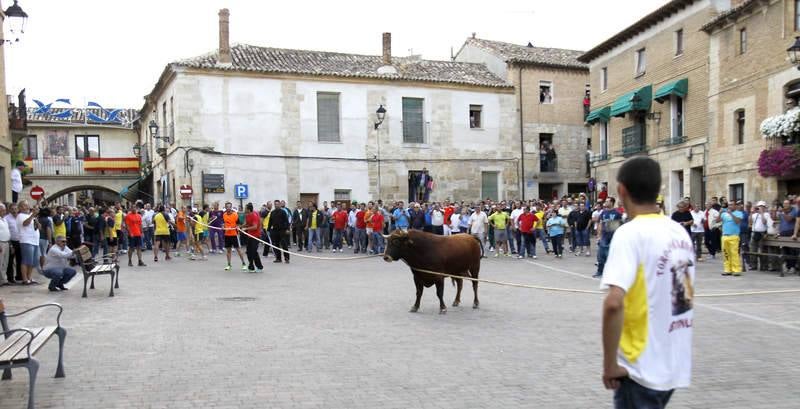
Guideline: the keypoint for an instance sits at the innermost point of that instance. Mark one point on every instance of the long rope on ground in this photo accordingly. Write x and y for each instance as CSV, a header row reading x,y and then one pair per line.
x,y
501,283
287,251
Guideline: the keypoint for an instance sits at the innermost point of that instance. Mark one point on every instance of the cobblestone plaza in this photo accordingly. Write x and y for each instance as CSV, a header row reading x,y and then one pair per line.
x,y
337,334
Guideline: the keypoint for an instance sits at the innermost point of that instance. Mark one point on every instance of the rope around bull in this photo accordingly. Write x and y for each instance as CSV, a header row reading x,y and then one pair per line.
x,y
286,251
496,282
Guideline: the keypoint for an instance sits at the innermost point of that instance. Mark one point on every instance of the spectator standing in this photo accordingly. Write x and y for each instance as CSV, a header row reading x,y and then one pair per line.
x,y
16,180
279,226
610,220
313,226
731,217
437,220
526,222
252,228
540,223
760,222
5,249
217,234
361,230
132,224
787,218
162,240
14,269
683,217
583,220
499,220
648,311
230,221
340,218
28,241
556,227
401,218
698,231
744,239
712,228
478,222
377,232
147,226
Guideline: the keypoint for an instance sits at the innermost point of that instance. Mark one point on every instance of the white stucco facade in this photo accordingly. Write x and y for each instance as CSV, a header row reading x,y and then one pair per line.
x,y
264,129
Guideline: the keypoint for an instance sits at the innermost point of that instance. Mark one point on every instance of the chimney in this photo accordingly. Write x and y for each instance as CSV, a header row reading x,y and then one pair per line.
x,y
224,38
387,48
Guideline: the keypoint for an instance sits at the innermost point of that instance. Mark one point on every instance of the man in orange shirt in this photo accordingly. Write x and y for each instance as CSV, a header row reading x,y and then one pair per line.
x,y
230,222
180,227
368,221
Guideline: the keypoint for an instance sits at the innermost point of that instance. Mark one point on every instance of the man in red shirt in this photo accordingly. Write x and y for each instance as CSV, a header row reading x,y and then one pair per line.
x,y
525,222
377,236
339,225
361,230
252,229
448,212
133,223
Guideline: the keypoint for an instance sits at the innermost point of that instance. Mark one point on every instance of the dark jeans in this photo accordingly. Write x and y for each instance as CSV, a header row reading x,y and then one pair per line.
x,y
602,256
280,239
299,234
148,237
528,244
438,230
558,244
338,235
217,239
790,254
253,259
14,262
631,395
573,239
59,276
713,241
697,240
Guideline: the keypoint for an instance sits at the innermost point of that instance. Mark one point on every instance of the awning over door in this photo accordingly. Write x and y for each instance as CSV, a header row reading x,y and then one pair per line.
x,y
599,115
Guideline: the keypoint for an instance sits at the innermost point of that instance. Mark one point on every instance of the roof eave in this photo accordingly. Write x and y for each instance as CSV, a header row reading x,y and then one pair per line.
x,y
166,76
642,24
547,65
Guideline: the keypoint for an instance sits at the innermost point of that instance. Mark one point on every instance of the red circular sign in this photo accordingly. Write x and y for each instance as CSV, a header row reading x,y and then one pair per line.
x,y
186,191
37,192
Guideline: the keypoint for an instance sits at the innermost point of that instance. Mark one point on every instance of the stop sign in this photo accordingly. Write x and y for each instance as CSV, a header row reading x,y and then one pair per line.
x,y
186,191
37,192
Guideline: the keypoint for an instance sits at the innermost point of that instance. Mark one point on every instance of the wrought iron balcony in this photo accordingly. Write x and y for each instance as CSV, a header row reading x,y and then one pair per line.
x,y
633,140
81,167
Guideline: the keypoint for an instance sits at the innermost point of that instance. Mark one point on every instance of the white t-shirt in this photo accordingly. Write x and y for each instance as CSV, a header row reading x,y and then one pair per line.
x,y
514,215
147,219
27,234
697,221
657,273
16,180
454,219
477,222
437,218
761,222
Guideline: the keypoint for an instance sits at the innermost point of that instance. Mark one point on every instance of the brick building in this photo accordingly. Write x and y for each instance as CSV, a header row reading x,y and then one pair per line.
x,y
650,97
550,85
750,79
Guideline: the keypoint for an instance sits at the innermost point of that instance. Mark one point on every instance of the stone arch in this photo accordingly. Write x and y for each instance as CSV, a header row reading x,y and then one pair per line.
x,y
77,188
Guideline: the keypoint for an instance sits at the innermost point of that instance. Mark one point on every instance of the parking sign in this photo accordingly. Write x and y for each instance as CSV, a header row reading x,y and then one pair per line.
x,y
240,191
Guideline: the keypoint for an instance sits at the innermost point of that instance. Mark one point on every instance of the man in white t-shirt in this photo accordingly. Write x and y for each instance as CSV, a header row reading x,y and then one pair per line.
x,y
647,313
478,222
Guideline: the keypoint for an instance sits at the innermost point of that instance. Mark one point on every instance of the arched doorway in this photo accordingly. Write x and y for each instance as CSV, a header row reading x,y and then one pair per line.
x,y
83,194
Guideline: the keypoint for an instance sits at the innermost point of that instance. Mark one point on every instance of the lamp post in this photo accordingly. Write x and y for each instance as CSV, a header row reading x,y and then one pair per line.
x,y
137,150
380,115
17,18
794,52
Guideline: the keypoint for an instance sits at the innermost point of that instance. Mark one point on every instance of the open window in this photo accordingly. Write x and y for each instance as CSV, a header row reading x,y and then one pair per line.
x,y
475,120
545,92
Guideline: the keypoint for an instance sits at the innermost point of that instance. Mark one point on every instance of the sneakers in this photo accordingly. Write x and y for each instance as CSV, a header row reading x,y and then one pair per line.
x,y
333,251
244,267
192,257
496,255
588,254
726,273
178,254
228,267
130,263
142,264
520,256
260,270
491,249
205,258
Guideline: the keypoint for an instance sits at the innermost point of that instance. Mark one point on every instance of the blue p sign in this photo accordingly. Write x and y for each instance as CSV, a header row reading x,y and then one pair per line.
x,y
240,191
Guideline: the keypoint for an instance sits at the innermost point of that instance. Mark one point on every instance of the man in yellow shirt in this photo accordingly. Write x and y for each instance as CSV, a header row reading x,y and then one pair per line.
x,y
540,234
499,219
161,222
118,216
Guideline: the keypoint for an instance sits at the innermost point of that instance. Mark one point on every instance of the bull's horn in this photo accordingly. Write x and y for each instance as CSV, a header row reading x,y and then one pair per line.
x,y
385,236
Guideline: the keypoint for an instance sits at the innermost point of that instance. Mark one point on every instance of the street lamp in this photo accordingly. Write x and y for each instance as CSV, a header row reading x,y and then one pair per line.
x,y
153,127
17,18
380,114
794,52
137,150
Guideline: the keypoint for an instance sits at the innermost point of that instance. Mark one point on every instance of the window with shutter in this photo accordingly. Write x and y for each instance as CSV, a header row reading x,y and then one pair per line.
x,y
413,121
328,117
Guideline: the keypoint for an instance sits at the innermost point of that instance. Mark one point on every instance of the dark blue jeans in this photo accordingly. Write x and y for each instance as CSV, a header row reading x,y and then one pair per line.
x,y
602,256
631,395
59,276
558,244
527,245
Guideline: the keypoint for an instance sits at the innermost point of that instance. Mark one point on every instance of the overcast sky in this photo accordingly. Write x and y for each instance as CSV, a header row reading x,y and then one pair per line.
x,y
112,51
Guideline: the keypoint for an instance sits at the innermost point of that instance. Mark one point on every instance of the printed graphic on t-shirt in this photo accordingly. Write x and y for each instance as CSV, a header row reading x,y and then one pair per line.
x,y
682,289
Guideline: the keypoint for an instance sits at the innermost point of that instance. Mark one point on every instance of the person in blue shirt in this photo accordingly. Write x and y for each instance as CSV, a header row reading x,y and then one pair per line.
x,y
610,219
555,229
731,218
401,217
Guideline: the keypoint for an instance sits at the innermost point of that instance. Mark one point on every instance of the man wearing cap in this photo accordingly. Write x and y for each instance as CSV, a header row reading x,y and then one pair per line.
x,y
16,181
56,266
760,221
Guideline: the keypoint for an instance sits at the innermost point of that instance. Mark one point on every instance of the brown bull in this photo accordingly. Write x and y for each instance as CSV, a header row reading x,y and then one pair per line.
x,y
459,254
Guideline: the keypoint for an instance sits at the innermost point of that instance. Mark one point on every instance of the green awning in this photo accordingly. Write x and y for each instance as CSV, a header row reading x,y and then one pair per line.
x,y
639,100
679,88
599,115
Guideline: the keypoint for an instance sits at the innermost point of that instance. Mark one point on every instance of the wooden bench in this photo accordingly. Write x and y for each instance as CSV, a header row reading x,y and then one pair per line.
x,y
773,246
92,267
20,344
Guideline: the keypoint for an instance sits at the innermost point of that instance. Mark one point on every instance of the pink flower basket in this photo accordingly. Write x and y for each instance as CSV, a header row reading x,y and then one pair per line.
x,y
780,161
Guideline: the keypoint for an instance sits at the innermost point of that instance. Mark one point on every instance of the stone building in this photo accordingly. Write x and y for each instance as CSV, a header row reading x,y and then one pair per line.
x,y
6,144
750,80
77,157
650,97
550,85
297,124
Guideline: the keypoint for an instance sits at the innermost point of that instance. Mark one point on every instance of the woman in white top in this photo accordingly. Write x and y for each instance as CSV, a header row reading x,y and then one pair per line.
x,y
760,223
28,240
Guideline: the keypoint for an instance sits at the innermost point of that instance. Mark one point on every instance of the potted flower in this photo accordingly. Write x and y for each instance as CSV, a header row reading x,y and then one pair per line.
x,y
785,126
781,161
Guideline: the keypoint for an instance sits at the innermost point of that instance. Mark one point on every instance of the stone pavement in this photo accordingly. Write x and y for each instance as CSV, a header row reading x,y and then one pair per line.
x,y
337,334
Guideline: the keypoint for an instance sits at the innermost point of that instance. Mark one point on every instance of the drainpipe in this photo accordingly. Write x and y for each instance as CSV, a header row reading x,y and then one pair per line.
x,y
521,140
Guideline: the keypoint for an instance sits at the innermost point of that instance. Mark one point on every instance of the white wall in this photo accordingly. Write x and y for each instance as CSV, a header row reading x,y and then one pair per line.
x,y
114,142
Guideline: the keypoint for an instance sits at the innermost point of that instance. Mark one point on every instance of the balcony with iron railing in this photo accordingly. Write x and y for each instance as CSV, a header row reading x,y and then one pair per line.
x,y
633,140
82,167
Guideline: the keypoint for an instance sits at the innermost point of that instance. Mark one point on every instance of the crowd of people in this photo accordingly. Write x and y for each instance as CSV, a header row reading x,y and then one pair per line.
x,y
41,237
